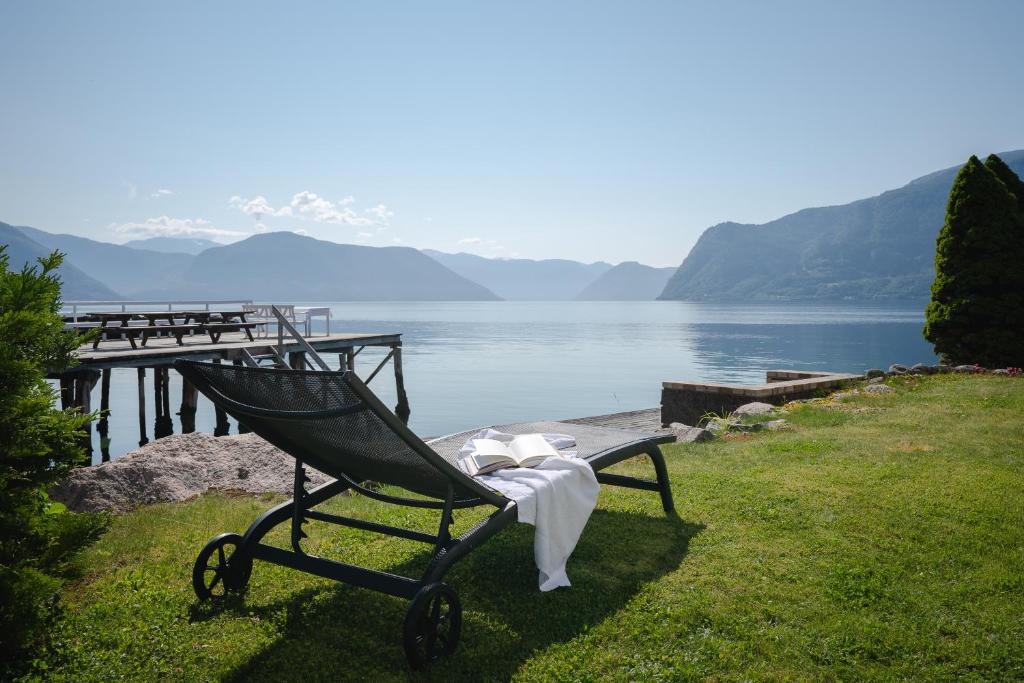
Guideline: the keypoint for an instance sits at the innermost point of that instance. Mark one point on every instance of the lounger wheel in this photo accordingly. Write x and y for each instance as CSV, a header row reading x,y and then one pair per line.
x,y
432,625
220,567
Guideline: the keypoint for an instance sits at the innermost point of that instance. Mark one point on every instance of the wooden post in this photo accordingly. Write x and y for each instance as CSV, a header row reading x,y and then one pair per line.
x,y
189,401
164,425
242,429
84,382
103,428
222,427
67,391
143,439
402,407
350,359
297,360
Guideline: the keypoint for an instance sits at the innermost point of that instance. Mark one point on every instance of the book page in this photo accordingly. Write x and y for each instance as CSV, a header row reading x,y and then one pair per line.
x,y
491,447
531,446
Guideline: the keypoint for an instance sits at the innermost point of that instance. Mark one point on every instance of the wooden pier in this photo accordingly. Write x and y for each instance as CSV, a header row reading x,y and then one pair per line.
x,y
159,354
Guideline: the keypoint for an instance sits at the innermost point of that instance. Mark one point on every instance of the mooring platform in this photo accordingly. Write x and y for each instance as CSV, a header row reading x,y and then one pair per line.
x,y
160,353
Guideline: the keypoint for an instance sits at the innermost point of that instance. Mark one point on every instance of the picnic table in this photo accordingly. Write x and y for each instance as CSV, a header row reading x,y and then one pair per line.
x,y
214,323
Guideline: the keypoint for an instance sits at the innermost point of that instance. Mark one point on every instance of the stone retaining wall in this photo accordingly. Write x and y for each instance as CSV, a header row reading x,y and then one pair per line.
x,y
688,402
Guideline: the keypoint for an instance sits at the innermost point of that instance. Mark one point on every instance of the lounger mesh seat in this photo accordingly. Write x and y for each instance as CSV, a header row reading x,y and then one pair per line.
x,y
333,422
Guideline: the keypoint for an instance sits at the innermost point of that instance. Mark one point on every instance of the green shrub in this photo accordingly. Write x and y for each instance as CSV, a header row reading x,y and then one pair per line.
x,y
38,445
976,314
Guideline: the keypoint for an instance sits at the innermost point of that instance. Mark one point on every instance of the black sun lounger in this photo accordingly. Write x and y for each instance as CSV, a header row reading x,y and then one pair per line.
x,y
333,422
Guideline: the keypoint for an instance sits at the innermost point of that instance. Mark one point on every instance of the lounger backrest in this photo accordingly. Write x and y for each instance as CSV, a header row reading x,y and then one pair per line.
x,y
330,421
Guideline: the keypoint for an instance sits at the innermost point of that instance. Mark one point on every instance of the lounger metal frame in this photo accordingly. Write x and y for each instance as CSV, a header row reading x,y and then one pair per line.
x,y
433,621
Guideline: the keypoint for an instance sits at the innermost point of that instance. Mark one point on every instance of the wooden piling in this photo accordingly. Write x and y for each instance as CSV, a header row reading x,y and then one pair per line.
x,y
189,401
103,428
143,439
402,407
242,428
83,383
221,427
162,423
67,391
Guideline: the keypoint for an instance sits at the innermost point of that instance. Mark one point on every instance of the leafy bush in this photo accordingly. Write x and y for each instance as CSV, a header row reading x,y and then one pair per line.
x,y
38,445
976,314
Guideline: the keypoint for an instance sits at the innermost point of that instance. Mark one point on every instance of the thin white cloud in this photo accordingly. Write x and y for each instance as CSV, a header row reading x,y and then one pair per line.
x,y
160,193
165,226
313,207
380,213
258,207
480,244
310,206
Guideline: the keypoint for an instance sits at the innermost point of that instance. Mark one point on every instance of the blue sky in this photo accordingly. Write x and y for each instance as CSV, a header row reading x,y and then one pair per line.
x,y
614,131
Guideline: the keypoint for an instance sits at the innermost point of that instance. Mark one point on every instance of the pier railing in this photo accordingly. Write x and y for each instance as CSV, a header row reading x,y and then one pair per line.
x,y
73,306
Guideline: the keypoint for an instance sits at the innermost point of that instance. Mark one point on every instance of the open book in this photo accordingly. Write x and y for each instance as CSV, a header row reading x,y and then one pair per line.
x,y
527,450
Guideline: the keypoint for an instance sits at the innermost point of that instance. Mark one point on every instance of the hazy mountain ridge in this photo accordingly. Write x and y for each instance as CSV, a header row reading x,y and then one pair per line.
x,y
880,248
524,279
173,245
132,272
285,265
76,284
628,281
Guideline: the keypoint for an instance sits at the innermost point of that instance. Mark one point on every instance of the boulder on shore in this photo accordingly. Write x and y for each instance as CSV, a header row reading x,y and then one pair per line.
x,y
755,408
686,434
180,467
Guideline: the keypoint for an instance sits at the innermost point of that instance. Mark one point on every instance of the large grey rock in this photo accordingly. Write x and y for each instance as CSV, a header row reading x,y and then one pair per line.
x,y
920,369
755,408
180,467
775,425
1001,371
874,372
966,369
687,434
897,369
876,380
878,389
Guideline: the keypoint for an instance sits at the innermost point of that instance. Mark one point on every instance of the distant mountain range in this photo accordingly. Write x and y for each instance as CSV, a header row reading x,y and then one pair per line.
x,y
22,250
284,265
875,249
129,272
882,248
525,279
173,245
628,281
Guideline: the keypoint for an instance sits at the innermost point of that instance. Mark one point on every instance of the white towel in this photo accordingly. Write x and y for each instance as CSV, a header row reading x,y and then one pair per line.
x,y
557,497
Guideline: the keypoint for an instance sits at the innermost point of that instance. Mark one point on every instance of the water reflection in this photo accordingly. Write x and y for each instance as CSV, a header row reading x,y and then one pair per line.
x,y
468,364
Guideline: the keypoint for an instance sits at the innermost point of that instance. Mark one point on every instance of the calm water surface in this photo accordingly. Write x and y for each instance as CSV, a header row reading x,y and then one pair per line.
x,y
469,364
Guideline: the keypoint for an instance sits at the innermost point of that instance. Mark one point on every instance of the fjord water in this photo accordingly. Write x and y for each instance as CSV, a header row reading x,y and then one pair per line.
x,y
476,363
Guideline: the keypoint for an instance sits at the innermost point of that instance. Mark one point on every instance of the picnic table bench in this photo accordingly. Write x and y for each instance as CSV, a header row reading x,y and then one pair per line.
x,y
167,322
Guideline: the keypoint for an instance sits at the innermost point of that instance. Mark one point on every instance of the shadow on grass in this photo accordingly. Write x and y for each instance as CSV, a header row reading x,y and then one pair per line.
x,y
344,632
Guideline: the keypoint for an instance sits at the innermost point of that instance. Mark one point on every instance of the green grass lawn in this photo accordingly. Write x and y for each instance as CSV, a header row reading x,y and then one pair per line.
x,y
855,546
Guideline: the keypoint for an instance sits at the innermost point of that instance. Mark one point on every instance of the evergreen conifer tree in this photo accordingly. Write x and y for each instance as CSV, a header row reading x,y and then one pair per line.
x,y
38,445
1014,184
976,314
